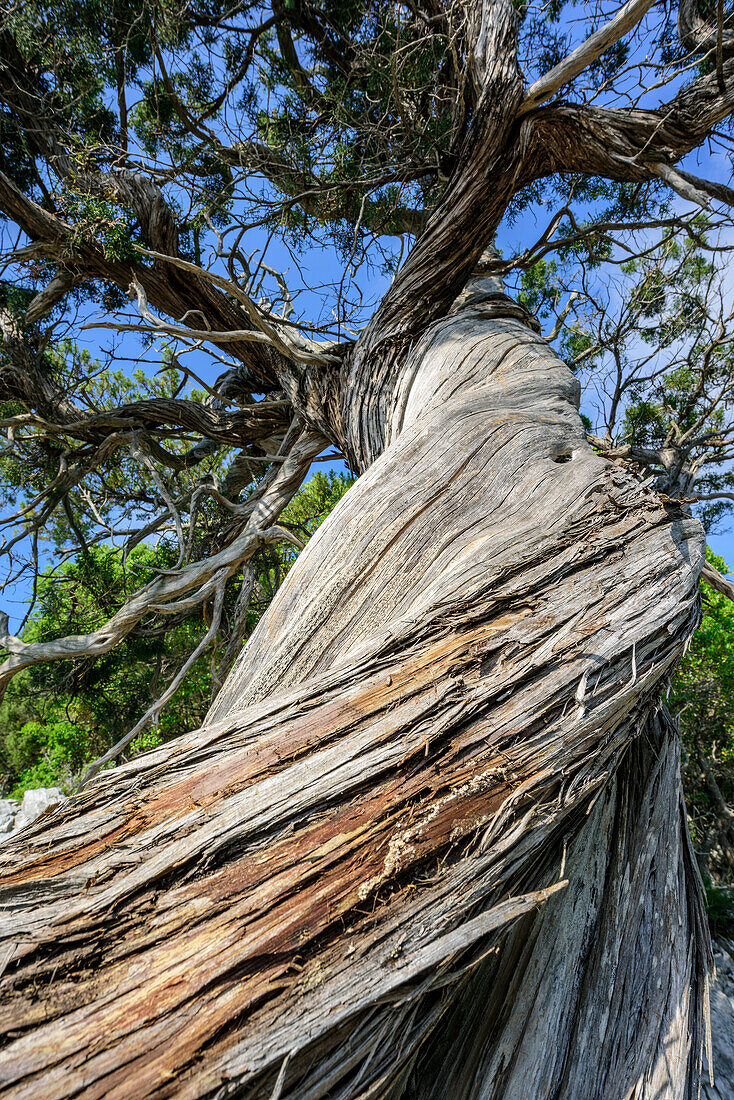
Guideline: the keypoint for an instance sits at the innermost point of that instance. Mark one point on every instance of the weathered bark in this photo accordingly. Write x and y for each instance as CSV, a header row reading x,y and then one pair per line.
x,y
438,777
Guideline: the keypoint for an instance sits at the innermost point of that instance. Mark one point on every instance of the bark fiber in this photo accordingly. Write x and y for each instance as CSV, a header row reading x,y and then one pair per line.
x,y
430,842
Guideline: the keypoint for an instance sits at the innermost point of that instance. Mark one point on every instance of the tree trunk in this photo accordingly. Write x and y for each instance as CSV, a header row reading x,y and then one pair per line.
x,y
431,841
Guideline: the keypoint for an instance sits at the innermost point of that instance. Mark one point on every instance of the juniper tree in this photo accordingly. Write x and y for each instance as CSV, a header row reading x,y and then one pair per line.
x,y
430,841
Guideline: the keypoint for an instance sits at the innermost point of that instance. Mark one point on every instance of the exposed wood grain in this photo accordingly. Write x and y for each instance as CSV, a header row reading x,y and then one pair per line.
x,y
430,842
455,673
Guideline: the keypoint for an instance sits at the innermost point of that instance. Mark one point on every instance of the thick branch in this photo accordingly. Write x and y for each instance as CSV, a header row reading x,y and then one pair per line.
x,y
628,16
717,580
627,144
24,376
275,358
699,36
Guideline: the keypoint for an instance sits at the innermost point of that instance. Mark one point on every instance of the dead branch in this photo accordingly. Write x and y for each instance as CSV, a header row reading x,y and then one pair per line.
x,y
167,592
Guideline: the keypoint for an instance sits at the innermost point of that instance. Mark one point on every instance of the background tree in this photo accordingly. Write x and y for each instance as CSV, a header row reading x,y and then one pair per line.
x,y
430,840
702,695
653,349
57,719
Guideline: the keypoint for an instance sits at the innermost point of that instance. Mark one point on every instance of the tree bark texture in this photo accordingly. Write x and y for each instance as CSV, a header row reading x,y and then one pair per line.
x,y
430,842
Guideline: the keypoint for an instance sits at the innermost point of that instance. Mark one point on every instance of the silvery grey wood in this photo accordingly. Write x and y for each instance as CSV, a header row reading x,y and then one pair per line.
x,y
430,842
445,721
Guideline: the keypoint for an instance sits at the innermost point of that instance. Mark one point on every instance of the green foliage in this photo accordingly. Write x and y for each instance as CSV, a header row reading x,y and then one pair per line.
x,y
703,689
702,694
58,717
74,711
16,299
58,747
539,290
720,908
100,220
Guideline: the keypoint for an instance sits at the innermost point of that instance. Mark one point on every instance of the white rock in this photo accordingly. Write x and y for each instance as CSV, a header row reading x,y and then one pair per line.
x,y
34,803
722,1025
8,812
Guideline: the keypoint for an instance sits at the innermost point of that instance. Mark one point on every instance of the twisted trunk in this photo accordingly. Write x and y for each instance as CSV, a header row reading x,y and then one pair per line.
x,y
430,842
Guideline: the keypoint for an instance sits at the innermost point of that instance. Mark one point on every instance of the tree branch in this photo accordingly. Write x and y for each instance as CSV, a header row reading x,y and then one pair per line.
x,y
628,16
699,36
627,144
693,188
170,592
717,581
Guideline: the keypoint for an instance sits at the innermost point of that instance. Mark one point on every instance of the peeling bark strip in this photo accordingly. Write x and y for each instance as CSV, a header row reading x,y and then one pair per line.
x,y
338,886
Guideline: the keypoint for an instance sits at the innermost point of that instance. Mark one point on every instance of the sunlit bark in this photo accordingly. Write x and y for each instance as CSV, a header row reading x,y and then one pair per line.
x,y
431,841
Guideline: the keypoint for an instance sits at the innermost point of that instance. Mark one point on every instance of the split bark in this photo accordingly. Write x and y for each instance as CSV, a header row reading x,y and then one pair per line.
x,y
430,842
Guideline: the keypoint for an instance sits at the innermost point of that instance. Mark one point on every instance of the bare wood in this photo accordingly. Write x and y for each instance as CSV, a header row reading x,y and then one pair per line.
x,y
628,16
717,581
395,773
